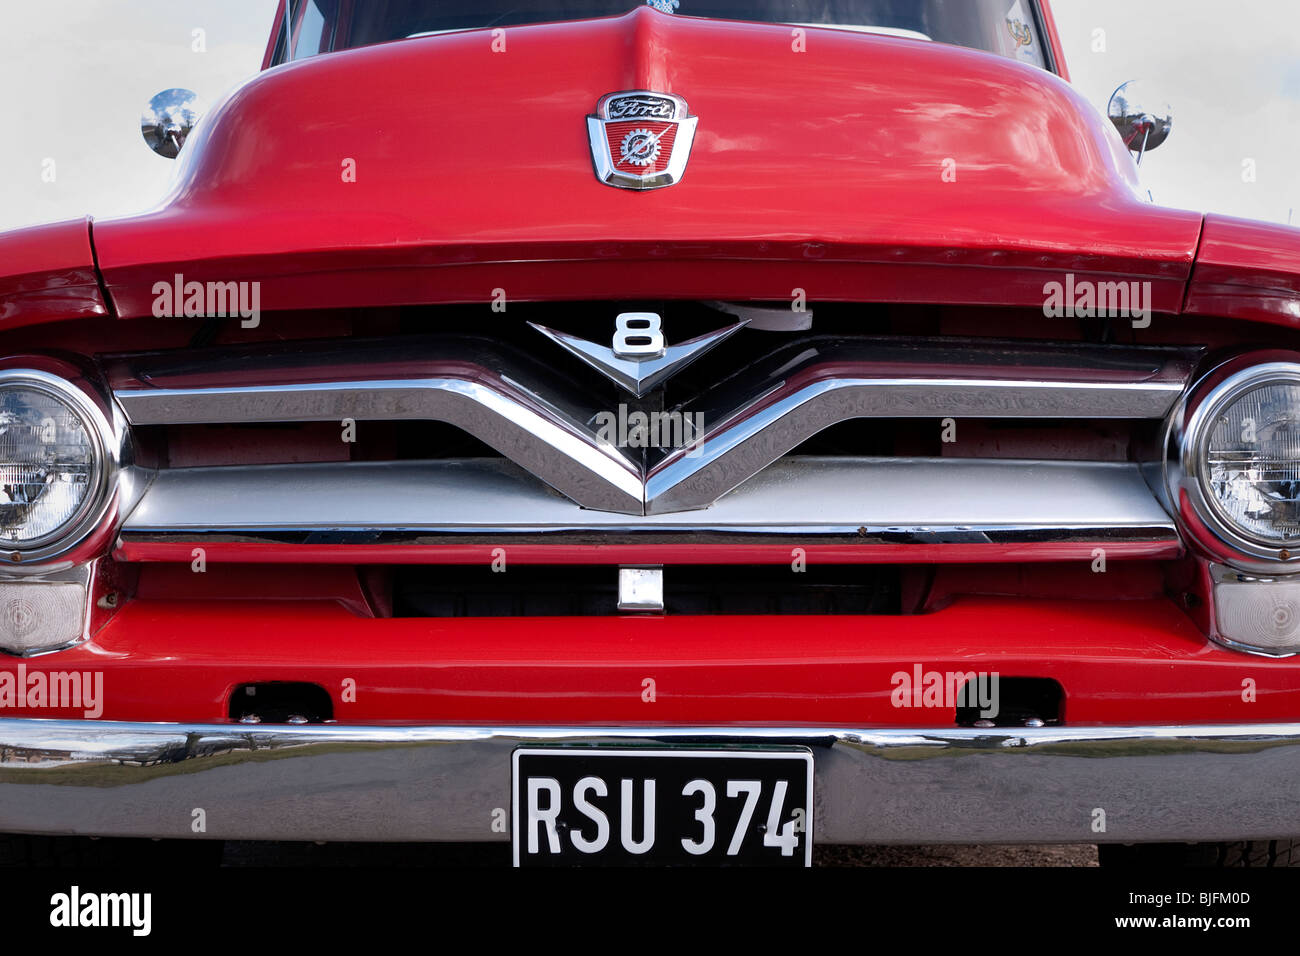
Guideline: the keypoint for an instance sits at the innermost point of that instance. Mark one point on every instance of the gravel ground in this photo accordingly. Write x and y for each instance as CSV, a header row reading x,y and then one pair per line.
x,y
383,854
1066,855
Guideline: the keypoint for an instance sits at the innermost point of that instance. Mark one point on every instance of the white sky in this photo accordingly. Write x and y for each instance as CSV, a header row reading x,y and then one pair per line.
x,y
75,76
1231,69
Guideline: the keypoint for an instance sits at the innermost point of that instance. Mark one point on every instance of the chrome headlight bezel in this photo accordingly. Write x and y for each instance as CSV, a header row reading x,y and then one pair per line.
x,y
105,446
1186,477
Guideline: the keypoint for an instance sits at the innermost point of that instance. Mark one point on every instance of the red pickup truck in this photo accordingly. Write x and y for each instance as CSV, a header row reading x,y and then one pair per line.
x,y
669,433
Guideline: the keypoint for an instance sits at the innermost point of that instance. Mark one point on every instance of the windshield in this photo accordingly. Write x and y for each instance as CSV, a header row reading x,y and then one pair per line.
x,y
1007,27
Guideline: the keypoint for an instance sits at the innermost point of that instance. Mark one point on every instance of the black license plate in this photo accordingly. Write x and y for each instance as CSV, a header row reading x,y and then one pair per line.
x,y
632,807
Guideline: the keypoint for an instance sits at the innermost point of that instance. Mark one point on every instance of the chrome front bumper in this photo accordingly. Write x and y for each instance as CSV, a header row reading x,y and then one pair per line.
x,y
327,782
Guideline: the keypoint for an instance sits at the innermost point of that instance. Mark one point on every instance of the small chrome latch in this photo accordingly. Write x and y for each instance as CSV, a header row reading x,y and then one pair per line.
x,y
641,589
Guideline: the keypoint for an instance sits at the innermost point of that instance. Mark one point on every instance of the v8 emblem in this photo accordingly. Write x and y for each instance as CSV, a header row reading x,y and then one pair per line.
x,y
640,357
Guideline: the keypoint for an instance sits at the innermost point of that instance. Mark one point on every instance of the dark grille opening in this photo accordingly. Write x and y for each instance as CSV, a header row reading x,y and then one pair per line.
x,y
416,440
282,443
1017,702
189,446
281,702
1054,439
1034,438
546,591
261,443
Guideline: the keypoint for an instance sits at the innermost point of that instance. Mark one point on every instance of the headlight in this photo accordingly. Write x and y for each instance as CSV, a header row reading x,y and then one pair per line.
x,y
1233,473
55,466
1248,455
1236,474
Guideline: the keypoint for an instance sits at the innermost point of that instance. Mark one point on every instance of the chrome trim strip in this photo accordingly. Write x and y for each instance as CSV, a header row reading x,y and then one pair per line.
x,y
852,381
850,500
430,783
552,446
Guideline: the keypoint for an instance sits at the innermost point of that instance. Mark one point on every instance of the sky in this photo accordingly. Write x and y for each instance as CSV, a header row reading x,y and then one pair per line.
x,y
1231,71
75,76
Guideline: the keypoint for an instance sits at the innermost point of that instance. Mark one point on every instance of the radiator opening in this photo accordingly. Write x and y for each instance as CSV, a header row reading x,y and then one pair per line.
x,y
584,591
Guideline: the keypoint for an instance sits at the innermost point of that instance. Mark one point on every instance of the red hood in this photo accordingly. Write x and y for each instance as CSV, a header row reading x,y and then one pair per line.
x,y
833,156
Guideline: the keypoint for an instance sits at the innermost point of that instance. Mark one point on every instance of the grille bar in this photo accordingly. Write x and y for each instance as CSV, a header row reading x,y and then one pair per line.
x,y
905,508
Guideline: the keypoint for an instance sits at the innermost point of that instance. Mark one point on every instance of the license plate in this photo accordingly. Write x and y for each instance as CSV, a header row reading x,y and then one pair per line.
x,y
632,807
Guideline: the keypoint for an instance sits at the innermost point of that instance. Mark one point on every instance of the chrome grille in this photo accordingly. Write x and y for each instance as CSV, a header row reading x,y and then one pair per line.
x,y
558,482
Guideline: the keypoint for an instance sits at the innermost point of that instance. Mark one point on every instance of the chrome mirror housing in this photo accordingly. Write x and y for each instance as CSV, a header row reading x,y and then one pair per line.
x,y
168,119
1143,121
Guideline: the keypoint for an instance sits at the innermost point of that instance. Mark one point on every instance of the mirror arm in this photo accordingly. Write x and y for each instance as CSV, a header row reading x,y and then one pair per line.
x,y
1146,133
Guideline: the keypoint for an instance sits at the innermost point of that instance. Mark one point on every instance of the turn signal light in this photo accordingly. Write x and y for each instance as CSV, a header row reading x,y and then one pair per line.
x,y
1257,614
38,616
